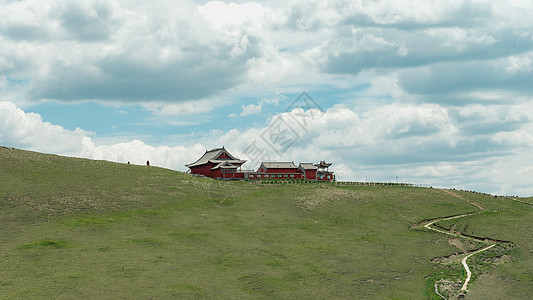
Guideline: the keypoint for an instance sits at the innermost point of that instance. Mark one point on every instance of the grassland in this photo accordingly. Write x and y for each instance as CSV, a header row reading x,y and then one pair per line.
x,y
76,228
506,271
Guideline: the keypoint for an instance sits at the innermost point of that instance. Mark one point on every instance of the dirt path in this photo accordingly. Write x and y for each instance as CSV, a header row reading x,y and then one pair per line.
x,y
428,226
468,273
525,202
481,208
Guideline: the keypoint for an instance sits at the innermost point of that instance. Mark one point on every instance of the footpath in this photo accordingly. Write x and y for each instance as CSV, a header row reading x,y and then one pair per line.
x,y
463,261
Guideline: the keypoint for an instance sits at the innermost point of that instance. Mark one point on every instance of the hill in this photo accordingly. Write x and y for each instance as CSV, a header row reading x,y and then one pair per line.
x,y
77,228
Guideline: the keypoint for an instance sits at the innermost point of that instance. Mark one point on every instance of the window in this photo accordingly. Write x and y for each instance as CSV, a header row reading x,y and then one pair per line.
x,y
285,175
266,176
279,175
292,175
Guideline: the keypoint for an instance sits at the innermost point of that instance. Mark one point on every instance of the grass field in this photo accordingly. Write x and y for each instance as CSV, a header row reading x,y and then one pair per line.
x,y
76,228
506,271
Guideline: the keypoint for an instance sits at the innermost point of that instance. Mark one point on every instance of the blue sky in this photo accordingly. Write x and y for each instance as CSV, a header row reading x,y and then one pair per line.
x,y
429,92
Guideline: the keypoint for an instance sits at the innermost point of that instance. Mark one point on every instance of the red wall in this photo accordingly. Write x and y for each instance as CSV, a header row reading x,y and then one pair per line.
x,y
204,170
324,177
274,176
229,174
310,174
223,156
288,170
215,173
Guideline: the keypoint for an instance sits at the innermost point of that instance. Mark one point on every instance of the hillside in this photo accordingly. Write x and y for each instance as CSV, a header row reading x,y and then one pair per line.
x,y
77,228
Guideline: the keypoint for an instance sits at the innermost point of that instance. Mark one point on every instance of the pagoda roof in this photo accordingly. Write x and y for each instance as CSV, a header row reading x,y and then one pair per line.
x,y
211,156
323,164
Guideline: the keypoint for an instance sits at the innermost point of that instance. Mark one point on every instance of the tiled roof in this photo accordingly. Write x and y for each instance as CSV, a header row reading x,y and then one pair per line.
x,y
209,156
225,165
278,165
307,166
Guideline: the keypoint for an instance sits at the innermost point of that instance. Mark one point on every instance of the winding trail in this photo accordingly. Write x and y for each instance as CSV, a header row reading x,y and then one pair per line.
x,y
463,261
468,273
465,265
481,208
428,225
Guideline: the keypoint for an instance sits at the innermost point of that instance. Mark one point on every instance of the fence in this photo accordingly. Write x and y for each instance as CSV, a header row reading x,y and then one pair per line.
x,y
337,183
359,183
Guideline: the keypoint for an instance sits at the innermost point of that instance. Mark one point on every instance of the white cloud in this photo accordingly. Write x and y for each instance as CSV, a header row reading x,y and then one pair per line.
x,y
120,51
255,109
222,14
28,131
417,143
137,152
251,109
423,144
184,108
437,88
134,51
519,64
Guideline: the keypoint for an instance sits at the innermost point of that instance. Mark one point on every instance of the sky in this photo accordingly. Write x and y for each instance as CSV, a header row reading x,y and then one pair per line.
x,y
436,93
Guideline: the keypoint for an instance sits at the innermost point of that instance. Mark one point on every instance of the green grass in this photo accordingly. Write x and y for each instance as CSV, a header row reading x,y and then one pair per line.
x,y
506,270
490,202
76,228
45,244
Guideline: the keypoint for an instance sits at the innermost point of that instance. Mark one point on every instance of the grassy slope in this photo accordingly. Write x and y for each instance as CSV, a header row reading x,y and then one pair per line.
x,y
74,228
504,274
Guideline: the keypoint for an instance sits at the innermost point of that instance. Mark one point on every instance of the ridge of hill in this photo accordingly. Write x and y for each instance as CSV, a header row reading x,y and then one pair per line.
x,y
79,228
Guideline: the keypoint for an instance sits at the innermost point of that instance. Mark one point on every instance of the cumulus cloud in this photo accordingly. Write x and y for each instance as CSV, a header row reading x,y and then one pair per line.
x,y
122,51
441,89
251,109
28,131
232,14
255,109
135,51
418,143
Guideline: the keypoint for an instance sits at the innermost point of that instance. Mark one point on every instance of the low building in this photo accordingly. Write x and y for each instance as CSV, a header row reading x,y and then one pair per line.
x,y
276,170
308,170
220,164
323,172
217,163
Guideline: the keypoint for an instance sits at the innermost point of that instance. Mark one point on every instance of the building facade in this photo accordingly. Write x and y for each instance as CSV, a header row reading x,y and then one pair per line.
x,y
220,164
217,163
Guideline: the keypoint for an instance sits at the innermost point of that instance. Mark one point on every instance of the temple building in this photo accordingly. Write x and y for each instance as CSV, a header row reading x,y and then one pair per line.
x,y
323,172
220,164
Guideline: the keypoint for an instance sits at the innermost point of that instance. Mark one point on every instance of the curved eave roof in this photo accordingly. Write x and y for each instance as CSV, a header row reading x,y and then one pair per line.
x,y
209,156
231,161
225,165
